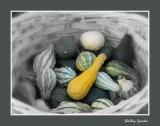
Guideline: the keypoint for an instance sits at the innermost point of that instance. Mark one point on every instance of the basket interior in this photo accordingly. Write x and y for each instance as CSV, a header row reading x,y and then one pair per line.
x,y
32,34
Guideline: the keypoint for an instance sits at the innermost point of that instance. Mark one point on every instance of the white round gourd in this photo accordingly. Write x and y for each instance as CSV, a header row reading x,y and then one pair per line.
x,y
92,40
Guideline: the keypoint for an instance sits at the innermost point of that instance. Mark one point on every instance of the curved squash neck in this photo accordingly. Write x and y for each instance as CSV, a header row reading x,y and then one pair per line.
x,y
99,61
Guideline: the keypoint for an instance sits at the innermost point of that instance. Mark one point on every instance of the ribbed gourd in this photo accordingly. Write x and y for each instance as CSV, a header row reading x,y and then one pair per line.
x,y
104,81
67,107
117,68
85,60
46,81
43,59
101,104
79,87
64,75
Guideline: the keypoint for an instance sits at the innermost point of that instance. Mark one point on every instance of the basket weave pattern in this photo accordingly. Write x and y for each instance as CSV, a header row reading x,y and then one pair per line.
x,y
32,31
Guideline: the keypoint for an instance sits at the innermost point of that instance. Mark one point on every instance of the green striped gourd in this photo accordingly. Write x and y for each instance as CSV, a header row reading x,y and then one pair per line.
x,y
46,81
45,58
117,68
67,107
85,60
101,104
104,81
64,75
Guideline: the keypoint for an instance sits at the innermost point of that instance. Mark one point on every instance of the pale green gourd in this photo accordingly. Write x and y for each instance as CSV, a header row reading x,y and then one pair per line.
x,y
104,81
64,75
67,107
101,104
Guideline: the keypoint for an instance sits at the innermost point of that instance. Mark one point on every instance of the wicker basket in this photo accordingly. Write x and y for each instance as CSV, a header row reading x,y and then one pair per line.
x,y
37,28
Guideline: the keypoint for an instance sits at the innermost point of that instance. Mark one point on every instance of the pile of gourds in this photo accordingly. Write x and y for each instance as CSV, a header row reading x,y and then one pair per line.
x,y
85,75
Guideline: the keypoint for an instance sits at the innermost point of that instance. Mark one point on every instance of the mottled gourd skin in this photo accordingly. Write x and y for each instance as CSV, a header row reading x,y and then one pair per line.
x,y
125,51
66,47
79,87
64,75
117,68
85,60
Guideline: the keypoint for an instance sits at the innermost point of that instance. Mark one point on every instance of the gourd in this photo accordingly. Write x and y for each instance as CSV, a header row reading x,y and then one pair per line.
x,y
46,81
104,81
117,68
101,104
43,59
128,88
92,40
66,47
85,60
125,51
94,94
67,107
64,75
58,95
67,62
79,87
108,50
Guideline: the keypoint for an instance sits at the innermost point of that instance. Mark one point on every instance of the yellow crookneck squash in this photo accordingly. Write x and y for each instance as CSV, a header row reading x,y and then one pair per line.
x,y
79,87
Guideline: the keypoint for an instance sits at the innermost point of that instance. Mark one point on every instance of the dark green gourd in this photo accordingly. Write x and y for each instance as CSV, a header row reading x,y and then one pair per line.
x,y
58,95
66,47
103,69
67,62
94,94
108,51
125,50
